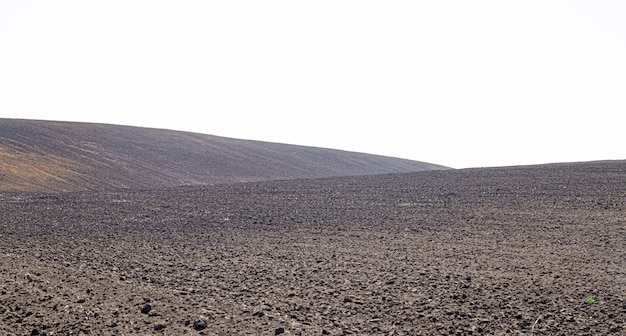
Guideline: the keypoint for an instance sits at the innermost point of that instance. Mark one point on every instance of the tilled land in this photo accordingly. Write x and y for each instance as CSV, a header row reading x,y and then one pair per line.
x,y
503,251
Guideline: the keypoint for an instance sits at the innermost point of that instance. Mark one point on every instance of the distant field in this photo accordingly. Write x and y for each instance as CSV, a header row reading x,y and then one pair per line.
x,y
63,156
537,250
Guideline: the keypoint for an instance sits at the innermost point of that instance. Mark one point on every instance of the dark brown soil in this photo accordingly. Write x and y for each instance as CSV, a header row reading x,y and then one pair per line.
x,y
52,156
502,251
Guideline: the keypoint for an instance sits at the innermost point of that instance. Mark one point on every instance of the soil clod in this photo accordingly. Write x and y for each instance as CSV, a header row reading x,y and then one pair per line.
x,y
145,309
199,324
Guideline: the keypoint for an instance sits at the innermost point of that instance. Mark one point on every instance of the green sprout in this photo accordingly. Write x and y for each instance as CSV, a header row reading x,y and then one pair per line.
x,y
591,299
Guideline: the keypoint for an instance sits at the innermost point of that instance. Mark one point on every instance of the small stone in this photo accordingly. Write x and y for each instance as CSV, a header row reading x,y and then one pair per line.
x,y
199,324
146,308
325,332
159,326
34,332
279,331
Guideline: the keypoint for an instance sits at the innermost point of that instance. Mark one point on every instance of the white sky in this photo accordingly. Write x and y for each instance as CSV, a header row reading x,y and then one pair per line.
x,y
459,83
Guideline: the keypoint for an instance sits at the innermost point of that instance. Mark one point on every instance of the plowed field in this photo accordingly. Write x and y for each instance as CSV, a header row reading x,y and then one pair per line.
x,y
537,250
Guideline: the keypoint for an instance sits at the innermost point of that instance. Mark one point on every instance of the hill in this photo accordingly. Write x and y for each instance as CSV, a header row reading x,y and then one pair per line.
x,y
67,156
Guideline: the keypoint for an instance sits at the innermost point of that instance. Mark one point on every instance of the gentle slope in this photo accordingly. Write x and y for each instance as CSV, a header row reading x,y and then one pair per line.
x,y
67,156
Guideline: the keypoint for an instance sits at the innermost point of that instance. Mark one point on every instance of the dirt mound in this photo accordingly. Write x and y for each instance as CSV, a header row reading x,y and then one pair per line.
x,y
505,251
63,156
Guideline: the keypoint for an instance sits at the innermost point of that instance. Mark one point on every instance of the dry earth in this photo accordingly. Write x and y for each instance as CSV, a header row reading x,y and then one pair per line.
x,y
501,251
54,156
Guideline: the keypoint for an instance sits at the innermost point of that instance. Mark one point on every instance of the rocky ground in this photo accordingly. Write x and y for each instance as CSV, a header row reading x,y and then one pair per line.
x,y
503,251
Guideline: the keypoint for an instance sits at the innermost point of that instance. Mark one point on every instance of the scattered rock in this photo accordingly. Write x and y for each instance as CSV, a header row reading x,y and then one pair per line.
x,y
159,326
279,331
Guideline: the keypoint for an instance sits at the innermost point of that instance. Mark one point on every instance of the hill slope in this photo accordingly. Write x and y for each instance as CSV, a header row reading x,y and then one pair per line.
x,y
67,156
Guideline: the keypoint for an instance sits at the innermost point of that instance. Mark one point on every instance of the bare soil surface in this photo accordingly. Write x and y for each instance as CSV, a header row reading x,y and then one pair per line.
x,y
538,250
54,156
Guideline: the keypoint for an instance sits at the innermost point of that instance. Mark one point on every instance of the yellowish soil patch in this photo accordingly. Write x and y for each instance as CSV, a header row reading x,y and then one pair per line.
x,y
36,172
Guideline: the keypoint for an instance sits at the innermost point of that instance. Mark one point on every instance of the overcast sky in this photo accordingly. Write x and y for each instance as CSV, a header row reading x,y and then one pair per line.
x,y
457,83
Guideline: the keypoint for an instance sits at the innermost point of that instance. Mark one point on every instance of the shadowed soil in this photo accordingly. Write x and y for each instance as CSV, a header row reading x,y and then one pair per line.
x,y
501,251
